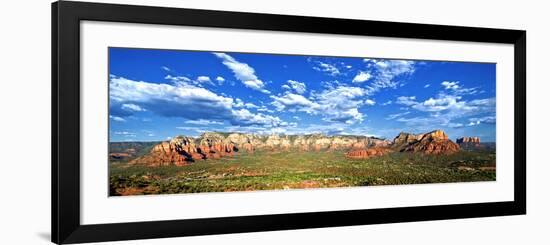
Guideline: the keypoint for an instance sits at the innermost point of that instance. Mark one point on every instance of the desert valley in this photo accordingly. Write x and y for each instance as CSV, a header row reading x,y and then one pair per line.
x,y
219,162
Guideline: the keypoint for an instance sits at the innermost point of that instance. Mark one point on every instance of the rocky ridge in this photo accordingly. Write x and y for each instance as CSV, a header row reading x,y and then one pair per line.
x,y
182,150
434,142
468,140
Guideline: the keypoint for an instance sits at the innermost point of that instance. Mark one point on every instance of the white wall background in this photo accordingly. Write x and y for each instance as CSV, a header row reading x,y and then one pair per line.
x,y
25,121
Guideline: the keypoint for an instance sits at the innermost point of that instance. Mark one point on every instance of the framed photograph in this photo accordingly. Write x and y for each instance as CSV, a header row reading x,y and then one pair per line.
x,y
176,122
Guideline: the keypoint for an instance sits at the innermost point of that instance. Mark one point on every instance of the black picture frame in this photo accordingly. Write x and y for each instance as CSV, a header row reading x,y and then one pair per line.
x,y
65,140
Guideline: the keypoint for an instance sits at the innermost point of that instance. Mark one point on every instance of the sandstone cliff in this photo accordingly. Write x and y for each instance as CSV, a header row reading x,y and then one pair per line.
x,y
435,142
183,150
367,153
468,140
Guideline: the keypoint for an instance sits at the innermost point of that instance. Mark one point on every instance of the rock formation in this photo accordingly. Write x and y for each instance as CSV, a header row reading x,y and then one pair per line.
x,y
468,140
435,142
183,150
367,153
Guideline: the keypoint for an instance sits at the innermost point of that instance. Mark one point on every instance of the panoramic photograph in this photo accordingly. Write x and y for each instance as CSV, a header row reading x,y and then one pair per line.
x,y
210,121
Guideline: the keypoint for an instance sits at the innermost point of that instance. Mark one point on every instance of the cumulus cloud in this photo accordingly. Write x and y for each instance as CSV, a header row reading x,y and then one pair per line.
x,y
131,107
341,104
183,100
203,122
406,100
125,133
327,68
455,125
450,85
239,103
245,117
294,102
485,120
220,80
445,108
389,102
243,72
299,87
361,77
117,119
178,79
387,73
264,108
338,104
456,88
448,102
204,79
250,106
370,102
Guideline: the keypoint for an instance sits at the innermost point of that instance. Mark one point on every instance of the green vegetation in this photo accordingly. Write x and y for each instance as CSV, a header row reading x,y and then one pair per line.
x,y
290,170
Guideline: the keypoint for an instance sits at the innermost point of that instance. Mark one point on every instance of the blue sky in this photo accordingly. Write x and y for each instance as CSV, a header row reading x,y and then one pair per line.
x,y
158,94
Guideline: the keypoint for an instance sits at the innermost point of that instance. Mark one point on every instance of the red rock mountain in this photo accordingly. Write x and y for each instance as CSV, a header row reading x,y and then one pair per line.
x,y
435,142
368,153
183,150
468,140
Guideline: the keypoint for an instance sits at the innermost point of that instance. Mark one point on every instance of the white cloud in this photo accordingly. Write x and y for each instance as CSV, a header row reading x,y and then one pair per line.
x,y
370,102
326,68
404,100
131,107
362,77
183,100
243,72
203,122
427,86
178,79
299,87
220,79
294,102
204,79
239,103
341,104
250,106
263,108
389,102
117,119
446,108
450,85
458,89
245,117
455,125
338,104
165,68
394,116
485,120
443,102
285,86
125,133
386,73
